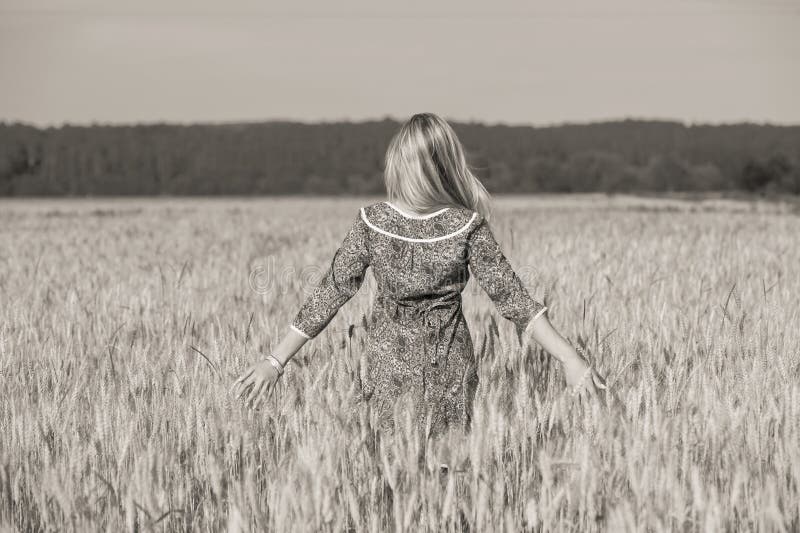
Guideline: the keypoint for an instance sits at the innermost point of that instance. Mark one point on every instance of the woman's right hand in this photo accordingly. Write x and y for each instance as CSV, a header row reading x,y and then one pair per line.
x,y
256,383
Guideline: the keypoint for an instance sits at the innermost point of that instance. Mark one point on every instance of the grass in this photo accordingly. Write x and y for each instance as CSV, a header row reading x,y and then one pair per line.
x,y
124,322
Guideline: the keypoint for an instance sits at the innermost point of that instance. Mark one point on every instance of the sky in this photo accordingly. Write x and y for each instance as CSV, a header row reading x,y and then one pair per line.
x,y
502,61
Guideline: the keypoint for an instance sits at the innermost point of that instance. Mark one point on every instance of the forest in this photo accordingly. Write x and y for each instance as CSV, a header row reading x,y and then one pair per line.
x,y
345,158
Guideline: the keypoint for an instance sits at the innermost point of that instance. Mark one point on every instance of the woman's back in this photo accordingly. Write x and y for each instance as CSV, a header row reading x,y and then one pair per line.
x,y
415,256
418,342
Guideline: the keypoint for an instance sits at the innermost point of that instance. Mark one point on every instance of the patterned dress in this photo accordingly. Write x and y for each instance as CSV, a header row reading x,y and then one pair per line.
x,y
418,342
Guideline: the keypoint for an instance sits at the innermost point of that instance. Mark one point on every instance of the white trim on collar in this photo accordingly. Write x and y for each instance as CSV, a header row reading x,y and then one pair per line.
x,y
418,217
462,229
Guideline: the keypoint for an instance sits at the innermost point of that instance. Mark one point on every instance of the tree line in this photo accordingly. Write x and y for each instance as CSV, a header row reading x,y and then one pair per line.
x,y
347,158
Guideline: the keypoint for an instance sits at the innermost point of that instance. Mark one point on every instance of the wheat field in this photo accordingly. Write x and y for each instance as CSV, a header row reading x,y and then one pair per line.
x,y
124,322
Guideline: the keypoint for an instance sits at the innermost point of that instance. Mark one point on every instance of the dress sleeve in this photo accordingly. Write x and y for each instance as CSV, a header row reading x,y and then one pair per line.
x,y
341,281
498,279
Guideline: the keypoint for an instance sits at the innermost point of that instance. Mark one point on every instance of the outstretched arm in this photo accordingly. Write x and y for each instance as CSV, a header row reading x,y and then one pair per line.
x,y
255,383
576,368
514,302
341,281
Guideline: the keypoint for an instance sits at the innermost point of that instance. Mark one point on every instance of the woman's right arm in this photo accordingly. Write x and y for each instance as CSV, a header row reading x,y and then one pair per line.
x,y
340,283
261,376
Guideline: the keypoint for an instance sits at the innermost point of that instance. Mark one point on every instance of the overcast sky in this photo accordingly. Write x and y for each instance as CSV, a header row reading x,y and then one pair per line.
x,y
535,61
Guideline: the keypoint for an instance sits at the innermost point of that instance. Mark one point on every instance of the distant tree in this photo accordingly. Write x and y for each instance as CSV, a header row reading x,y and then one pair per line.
x,y
774,174
706,177
667,172
499,178
541,173
593,171
790,180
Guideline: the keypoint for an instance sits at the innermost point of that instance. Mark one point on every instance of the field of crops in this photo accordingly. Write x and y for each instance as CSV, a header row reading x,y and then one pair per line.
x,y
124,322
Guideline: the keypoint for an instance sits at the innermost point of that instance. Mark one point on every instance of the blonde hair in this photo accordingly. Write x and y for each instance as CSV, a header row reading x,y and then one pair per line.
x,y
426,168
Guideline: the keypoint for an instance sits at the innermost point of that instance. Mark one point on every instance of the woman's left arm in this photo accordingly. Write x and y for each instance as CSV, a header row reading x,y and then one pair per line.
x,y
508,292
576,368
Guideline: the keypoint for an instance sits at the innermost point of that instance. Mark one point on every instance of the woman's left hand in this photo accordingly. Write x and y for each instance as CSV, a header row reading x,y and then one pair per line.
x,y
582,381
256,384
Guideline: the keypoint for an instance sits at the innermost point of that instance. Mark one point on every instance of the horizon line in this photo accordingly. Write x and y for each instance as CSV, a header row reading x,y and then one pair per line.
x,y
390,118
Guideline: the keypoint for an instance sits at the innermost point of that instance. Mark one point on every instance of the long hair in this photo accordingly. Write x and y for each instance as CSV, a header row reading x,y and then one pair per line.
x,y
426,168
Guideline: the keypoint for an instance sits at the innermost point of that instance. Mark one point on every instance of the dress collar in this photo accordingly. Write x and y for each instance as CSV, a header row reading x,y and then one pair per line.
x,y
416,217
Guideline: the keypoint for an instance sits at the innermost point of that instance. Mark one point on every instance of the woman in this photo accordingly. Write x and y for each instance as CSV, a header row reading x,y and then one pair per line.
x,y
421,245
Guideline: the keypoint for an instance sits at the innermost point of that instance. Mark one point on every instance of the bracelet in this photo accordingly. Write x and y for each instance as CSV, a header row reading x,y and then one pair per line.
x,y
577,387
277,364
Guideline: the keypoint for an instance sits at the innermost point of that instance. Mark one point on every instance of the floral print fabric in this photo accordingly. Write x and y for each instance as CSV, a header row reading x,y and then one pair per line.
x,y
418,342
